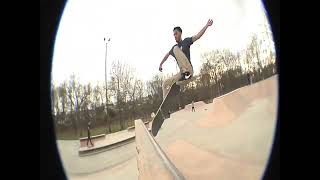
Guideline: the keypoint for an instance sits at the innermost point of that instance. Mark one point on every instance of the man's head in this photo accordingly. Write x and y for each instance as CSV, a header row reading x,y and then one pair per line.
x,y
177,31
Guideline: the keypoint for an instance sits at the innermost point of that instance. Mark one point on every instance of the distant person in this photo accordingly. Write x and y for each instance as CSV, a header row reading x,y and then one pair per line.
x,y
249,78
89,136
193,110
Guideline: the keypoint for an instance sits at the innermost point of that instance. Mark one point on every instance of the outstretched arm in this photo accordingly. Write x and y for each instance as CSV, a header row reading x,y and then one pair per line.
x,y
163,60
198,36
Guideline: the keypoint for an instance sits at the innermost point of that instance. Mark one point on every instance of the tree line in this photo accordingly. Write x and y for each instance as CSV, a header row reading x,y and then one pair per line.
x,y
129,98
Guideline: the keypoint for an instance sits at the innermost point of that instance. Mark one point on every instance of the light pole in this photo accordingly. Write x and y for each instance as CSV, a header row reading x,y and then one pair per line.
x,y
105,72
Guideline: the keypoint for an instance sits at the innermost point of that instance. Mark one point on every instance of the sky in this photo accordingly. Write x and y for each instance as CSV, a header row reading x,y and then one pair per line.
x,y
141,34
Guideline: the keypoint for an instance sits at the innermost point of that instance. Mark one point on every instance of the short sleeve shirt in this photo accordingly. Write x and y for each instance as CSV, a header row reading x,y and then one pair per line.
x,y
184,46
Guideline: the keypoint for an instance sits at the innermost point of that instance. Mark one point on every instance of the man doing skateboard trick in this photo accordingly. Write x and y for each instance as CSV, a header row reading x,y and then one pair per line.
x,y
170,87
182,59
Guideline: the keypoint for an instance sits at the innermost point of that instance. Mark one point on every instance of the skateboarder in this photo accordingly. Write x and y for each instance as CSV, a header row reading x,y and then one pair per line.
x,y
186,68
89,136
193,110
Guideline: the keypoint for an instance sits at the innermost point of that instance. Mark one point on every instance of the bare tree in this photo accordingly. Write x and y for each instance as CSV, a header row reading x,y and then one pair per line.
x,y
230,59
214,64
99,96
71,96
55,100
136,93
86,100
77,95
267,39
62,93
140,90
121,84
154,87
97,101
253,53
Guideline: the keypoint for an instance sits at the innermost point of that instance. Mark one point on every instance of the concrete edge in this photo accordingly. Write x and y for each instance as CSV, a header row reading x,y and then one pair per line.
x,y
100,149
92,137
132,127
152,161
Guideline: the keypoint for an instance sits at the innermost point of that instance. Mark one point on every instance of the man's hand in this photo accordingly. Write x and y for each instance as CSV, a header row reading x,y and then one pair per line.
x,y
209,23
163,60
160,68
198,36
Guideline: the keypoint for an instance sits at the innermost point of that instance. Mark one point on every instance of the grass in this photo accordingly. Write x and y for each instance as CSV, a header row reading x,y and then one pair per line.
x,y
96,130
66,135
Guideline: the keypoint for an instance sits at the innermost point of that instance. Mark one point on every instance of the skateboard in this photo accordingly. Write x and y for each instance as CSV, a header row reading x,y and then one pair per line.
x,y
164,109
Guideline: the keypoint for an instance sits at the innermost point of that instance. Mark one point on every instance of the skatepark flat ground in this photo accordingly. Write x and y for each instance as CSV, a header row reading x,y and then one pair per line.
x,y
110,139
230,138
84,167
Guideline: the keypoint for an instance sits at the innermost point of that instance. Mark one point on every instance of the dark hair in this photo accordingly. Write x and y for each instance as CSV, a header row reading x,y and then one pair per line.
x,y
178,29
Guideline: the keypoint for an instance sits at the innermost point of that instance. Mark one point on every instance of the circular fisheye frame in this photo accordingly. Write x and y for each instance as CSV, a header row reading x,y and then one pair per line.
x,y
124,108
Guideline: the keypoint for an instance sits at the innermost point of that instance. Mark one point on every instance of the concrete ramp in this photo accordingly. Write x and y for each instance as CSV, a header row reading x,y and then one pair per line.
x,y
230,138
229,107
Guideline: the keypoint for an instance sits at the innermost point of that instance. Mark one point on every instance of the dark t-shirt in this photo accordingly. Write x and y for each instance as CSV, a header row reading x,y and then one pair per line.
x,y
89,134
185,45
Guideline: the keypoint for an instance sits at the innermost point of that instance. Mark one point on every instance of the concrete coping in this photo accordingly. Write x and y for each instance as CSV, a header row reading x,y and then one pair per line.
x,y
152,161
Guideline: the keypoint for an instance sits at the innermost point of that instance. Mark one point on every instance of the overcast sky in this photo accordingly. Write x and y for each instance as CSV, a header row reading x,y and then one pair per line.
x,y
141,33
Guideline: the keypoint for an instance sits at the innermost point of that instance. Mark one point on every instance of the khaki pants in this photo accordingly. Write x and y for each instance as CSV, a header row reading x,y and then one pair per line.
x,y
184,66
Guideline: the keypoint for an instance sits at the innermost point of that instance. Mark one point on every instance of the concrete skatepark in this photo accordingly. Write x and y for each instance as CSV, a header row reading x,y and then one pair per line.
x,y
230,138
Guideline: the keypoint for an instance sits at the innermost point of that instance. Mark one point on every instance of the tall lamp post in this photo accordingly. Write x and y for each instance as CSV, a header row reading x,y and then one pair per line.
x,y
105,72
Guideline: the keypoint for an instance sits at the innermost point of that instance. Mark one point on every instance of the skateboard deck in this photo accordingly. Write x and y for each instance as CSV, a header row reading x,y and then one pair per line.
x,y
164,109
